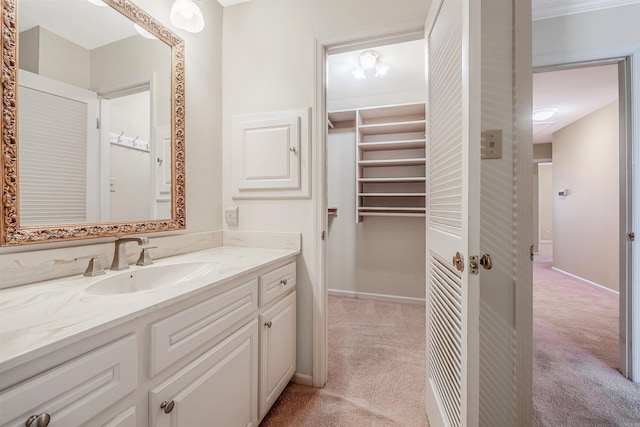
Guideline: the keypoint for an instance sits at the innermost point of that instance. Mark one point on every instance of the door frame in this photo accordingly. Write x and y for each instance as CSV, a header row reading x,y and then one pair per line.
x,y
358,38
523,223
628,60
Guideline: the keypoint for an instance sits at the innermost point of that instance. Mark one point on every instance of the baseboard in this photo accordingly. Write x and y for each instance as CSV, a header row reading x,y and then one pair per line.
x,y
376,297
589,282
302,379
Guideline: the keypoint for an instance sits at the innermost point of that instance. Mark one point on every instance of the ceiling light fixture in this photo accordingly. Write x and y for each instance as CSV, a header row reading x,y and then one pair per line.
x,y
370,59
97,2
544,114
186,15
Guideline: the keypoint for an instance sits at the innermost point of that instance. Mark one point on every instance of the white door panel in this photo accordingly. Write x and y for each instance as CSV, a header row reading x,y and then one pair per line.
x,y
453,134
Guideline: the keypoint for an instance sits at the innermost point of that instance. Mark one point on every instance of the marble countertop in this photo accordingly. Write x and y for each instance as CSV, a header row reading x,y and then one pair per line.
x,y
41,317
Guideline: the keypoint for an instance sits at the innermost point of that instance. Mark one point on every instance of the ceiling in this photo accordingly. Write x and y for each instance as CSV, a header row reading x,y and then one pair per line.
x,y
576,93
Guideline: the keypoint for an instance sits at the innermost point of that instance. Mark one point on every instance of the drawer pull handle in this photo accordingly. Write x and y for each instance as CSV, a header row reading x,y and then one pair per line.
x,y
167,406
41,420
283,281
268,324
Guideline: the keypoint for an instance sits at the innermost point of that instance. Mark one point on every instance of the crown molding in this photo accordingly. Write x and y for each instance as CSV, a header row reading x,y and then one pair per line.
x,y
544,9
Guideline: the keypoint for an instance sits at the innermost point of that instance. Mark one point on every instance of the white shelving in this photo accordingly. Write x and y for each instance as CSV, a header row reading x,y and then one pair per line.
x,y
390,160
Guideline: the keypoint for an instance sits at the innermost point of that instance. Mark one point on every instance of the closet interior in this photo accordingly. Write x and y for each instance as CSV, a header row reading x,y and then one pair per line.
x,y
376,173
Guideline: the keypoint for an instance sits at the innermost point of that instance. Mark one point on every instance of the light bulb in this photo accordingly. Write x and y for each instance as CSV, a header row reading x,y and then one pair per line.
x,y
186,15
358,73
381,69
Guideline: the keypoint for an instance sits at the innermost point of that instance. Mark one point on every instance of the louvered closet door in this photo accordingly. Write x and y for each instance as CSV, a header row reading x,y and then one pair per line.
x,y
453,212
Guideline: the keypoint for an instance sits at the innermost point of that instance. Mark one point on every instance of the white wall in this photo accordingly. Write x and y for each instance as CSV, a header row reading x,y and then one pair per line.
x,y
268,65
130,198
555,39
379,255
545,200
586,222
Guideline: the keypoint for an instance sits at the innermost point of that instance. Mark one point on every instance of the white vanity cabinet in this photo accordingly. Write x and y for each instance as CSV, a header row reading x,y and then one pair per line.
x,y
219,388
277,350
219,357
71,393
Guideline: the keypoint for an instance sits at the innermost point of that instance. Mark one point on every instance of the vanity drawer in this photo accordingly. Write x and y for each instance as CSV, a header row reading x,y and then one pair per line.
x,y
178,335
277,282
72,393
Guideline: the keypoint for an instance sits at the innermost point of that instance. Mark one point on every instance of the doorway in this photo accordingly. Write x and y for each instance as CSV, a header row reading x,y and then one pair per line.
x,y
582,257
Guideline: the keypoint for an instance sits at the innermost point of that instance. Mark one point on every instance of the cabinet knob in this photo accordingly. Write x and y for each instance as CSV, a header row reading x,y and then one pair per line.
x,y
283,281
268,324
167,406
41,420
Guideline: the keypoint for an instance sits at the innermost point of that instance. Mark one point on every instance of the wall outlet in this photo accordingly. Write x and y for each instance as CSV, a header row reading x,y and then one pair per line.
x,y
231,215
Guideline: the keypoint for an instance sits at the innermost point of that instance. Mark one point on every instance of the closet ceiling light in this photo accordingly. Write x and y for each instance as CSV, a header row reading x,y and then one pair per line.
x,y
370,59
186,15
544,114
97,2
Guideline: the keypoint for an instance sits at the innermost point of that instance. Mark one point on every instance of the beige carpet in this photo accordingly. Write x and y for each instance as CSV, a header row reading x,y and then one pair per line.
x,y
376,371
575,363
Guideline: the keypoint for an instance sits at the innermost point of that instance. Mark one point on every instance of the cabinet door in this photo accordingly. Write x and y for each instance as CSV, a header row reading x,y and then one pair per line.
x,y
277,350
219,388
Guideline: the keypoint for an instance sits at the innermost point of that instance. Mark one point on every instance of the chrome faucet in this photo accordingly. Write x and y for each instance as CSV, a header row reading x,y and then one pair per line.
x,y
120,255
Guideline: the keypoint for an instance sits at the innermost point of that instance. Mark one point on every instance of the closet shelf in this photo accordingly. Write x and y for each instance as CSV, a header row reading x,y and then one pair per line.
x,y
391,208
390,128
393,162
393,145
391,194
392,180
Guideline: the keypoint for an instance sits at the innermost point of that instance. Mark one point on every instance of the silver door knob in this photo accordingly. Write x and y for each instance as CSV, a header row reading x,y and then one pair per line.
x,y
283,281
167,406
41,420
268,324
486,261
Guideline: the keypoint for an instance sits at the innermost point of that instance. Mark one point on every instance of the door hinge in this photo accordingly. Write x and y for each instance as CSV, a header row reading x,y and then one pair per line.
x,y
97,123
323,234
631,236
531,252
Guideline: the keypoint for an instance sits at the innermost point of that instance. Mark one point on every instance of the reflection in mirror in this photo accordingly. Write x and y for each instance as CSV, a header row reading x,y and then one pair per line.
x,y
100,122
73,171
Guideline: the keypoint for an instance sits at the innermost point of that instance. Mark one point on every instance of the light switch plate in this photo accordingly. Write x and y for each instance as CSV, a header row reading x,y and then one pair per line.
x,y
491,147
231,215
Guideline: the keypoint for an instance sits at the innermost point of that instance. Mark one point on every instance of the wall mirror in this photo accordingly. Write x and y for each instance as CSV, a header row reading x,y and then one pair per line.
x,y
92,121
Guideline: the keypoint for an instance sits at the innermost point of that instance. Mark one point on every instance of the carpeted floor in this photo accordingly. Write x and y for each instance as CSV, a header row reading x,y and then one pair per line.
x,y
575,376
377,364
376,371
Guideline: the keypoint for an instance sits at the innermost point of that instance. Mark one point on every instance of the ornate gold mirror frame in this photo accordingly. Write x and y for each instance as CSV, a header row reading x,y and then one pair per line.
x,y
11,233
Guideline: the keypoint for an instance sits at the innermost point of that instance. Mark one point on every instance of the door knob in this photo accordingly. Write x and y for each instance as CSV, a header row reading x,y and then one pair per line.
x,y
268,324
486,262
41,420
458,262
167,406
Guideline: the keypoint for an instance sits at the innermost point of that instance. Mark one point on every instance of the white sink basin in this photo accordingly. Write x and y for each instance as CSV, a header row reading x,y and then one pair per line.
x,y
150,277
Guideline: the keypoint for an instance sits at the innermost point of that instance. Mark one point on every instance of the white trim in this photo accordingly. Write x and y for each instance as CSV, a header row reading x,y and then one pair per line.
x,y
321,46
523,201
554,10
320,339
582,279
302,379
376,297
629,295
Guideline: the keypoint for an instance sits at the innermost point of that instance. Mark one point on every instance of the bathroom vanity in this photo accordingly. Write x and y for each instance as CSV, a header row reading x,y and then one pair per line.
x,y
213,346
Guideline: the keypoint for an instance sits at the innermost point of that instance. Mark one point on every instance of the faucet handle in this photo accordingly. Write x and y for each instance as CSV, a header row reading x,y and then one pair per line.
x,y
145,257
95,266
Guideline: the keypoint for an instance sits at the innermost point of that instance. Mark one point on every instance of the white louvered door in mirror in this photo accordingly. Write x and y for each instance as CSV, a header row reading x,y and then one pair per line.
x,y
58,157
453,165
